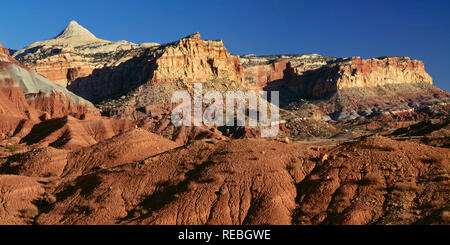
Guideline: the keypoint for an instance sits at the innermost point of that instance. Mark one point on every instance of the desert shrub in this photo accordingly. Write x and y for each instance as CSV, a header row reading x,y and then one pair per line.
x,y
11,148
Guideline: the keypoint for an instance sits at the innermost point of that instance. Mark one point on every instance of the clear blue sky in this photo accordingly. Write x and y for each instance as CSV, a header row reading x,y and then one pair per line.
x,y
341,28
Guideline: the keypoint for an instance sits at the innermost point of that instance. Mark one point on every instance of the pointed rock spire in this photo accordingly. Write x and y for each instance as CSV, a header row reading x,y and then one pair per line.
x,y
76,30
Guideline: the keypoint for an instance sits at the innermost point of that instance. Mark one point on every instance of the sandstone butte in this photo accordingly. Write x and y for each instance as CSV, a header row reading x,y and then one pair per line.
x,y
195,60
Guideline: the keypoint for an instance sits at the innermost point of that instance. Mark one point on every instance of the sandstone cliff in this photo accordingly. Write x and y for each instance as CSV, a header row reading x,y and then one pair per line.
x,y
188,60
195,60
345,88
357,73
262,71
97,69
317,76
120,76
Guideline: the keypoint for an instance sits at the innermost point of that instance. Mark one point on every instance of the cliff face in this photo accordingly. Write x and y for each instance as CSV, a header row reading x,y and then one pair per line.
x,y
381,71
97,69
126,76
345,88
353,88
263,72
63,68
259,76
355,73
189,60
195,60
317,76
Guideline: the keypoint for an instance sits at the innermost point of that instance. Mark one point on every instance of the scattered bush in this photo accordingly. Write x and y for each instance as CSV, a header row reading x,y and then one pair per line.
x,y
11,148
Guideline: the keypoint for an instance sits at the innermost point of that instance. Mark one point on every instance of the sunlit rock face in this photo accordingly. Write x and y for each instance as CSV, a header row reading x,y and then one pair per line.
x,y
188,60
316,76
195,60
74,53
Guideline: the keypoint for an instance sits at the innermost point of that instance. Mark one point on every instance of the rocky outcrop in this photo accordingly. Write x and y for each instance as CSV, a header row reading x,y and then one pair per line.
x,y
357,73
97,69
4,51
74,53
346,88
28,98
71,133
318,76
261,72
122,78
63,68
195,60
188,60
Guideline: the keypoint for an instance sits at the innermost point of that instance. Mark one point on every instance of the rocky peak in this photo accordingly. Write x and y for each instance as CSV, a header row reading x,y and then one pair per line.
x,y
3,51
76,30
196,36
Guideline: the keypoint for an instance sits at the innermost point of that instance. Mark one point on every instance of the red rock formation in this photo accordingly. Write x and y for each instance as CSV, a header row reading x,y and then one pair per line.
x,y
56,104
132,145
3,50
20,112
261,71
357,73
317,76
258,76
190,59
13,106
195,60
345,89
63,68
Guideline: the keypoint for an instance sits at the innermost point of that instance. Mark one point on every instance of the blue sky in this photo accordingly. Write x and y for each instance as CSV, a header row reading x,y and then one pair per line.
x,y
340,28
